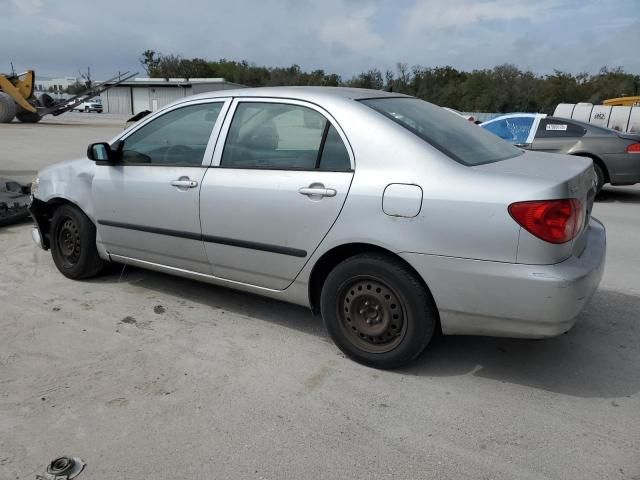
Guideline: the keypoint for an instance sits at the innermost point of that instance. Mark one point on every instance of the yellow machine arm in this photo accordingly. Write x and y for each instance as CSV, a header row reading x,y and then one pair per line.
x,y
624,101
20,88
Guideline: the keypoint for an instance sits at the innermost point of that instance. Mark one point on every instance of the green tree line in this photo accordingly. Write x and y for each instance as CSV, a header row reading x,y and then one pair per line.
x,y
504,88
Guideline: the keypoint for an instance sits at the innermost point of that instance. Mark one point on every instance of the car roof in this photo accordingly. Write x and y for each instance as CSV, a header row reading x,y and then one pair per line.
x,y
300,93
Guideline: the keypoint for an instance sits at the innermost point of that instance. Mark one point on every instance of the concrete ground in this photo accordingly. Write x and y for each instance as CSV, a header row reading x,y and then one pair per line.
x,y
147,376
26,148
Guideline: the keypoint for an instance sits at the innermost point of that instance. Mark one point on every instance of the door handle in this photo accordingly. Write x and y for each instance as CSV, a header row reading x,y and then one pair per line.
x,y
317,192
184,182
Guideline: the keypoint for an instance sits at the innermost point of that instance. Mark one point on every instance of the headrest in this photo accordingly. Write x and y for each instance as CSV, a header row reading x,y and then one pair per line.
x,y
265,137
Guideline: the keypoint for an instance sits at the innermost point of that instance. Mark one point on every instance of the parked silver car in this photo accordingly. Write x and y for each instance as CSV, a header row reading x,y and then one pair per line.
x,y
615,155
390,216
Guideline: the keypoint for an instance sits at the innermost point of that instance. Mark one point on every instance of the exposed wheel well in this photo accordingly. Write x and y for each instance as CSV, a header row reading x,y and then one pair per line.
x,y
598,162
336,255
42,213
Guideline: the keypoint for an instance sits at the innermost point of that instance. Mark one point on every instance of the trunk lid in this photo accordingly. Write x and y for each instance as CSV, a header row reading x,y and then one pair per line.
x,y
549,176
629,136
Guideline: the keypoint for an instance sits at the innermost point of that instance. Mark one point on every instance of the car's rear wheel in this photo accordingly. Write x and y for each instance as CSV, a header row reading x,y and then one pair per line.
x,y
73,244
377,310
599,177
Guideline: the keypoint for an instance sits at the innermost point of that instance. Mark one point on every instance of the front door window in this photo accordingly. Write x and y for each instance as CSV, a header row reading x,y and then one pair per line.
x,y
177,138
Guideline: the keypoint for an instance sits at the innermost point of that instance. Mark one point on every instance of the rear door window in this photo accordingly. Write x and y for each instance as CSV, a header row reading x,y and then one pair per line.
x,y
283,137
334,157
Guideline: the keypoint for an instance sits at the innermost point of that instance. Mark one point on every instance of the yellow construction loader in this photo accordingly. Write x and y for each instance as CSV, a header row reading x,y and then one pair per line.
x,y
17,99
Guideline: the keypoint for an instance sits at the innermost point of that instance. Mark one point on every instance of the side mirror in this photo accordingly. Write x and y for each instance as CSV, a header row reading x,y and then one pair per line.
x,y
102,152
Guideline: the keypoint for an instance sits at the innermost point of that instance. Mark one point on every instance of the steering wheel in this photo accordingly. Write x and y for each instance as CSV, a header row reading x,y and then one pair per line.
x,y
175,150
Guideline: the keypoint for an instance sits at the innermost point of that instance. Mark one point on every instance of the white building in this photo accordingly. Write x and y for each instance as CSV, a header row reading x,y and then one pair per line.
x,y
134,96
56,85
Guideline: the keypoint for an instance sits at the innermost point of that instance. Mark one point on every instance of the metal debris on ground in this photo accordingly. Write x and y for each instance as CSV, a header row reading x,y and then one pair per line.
x,y
63,468
14,200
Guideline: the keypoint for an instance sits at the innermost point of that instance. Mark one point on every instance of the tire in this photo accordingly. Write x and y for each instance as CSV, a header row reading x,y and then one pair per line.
x,y
377,310
28,117
73,244
599,177
46,100
8,108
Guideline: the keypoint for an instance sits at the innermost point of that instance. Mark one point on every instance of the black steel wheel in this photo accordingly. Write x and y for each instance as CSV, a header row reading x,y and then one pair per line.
x,y
68,241
371,315
377,310
73,243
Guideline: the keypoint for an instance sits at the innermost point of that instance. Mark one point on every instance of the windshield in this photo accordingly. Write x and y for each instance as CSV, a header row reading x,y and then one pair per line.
x,y
459,139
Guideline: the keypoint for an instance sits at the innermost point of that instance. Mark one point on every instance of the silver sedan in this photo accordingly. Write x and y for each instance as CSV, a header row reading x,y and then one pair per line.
x,y
388,215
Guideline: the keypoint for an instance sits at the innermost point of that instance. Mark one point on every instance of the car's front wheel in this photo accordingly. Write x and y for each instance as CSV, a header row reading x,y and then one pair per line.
x,y
377,310
73,243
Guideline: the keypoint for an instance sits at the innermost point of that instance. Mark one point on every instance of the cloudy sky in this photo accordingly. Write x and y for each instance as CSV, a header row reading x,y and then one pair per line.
x,y
343,36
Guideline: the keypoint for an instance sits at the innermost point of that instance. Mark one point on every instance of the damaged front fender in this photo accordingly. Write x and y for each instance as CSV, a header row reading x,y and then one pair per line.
x,y
66,182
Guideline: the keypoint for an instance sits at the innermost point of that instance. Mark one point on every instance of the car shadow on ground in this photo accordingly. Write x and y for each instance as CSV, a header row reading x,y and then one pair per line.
x,y
618,194
241,303
597,358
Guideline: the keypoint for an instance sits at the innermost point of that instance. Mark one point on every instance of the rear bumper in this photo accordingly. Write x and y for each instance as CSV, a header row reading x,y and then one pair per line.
x,y
624,168
513,300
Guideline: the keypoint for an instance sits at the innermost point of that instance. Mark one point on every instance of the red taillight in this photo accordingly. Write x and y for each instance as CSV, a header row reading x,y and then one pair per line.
x,y
555,221
633,148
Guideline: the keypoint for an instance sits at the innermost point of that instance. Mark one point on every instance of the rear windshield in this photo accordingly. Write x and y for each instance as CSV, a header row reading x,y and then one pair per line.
x,y
456,137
